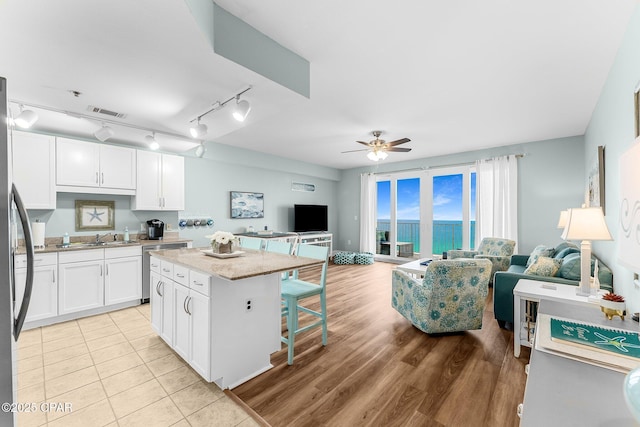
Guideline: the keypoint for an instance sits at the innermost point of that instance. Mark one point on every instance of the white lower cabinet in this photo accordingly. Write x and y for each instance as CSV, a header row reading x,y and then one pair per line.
x,y
81,284
191,328
44,294
123,274
162,306
180,313
96,278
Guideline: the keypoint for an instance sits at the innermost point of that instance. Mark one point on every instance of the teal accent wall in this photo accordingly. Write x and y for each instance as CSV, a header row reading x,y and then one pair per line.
x,y
223,169
550,180
612,125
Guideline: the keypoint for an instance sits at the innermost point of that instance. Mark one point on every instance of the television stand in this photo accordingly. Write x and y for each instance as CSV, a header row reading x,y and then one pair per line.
x,y
320,238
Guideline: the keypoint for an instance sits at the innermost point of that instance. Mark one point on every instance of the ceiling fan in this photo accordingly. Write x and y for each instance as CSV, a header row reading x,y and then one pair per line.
x,y
378,148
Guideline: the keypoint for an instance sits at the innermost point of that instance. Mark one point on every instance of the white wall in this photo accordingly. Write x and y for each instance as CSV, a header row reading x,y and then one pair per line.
x,y
612,125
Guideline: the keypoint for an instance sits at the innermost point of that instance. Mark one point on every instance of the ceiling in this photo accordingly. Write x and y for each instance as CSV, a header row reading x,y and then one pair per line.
x,y
452,76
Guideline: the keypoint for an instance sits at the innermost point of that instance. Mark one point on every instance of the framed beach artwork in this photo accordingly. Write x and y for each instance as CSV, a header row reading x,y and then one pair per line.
x,y
95,215
595,184
247,205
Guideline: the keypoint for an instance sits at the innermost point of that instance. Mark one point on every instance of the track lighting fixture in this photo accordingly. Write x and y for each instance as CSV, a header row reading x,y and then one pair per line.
x,y
199,130
151,141
104,133
240,112
201,149
26,118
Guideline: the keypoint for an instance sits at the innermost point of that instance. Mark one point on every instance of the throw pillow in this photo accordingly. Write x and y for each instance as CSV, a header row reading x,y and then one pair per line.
x,y
564,245
544,266
570,268
566,251
540,250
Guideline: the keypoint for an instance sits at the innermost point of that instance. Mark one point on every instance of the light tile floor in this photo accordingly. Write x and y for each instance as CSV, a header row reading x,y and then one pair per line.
x,y
115,371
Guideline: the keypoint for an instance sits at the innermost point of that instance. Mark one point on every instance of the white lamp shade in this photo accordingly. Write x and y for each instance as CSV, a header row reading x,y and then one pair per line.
x,y
382,155
241,110
562,221
372,155
26,119
198,130
586,224
104,133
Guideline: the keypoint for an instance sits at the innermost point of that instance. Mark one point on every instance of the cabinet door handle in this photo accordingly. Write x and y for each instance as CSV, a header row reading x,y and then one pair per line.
x,y
154,265
97,182
107,266
158,287
198,283
184,305
180,275
188,302
102,176
100,271
53,276
166,270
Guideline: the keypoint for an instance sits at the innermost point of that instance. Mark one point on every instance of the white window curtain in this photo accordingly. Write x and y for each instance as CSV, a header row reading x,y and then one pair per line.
x,y
497,198
368,193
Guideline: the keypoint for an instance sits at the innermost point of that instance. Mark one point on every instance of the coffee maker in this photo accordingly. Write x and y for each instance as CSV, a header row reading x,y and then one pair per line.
x,y
155,229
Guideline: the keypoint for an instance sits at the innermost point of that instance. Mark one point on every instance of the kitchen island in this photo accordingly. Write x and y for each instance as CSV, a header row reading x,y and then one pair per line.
x,y
222,316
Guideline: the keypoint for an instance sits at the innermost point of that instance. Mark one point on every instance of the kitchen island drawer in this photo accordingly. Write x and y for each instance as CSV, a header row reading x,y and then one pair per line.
x,y
199,282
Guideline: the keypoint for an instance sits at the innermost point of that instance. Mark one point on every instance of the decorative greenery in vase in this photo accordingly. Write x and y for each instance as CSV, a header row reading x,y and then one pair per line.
x,y
222,242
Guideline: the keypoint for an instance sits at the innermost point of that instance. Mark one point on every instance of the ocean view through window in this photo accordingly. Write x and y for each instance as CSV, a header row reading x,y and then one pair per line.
x,y
439,205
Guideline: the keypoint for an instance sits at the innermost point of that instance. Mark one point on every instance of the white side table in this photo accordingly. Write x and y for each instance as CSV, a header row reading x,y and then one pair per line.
x,y
527,290
414,268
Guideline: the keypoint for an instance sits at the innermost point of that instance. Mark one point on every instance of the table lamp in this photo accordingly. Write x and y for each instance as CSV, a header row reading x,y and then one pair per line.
x,y
586,224
562,221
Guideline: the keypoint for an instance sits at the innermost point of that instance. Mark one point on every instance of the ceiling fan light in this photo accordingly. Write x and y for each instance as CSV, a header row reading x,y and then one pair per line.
x,y
104,133
382,155
199,130
26,119
372,155
241,110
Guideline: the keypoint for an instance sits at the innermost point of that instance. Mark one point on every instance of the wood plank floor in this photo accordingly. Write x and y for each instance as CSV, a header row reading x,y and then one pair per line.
x,y
378,370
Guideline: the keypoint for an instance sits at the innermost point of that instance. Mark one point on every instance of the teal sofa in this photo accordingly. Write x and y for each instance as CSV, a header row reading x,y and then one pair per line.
x,y
450,298
567,255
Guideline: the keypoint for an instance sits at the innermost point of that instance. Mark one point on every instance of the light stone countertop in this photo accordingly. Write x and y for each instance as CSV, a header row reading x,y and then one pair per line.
x,y
250,264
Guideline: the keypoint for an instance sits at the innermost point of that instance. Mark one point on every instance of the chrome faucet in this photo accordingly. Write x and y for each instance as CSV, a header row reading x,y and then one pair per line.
x,y
99,237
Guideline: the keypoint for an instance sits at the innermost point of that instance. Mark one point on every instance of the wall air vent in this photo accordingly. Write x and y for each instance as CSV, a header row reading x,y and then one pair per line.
x,y
106,112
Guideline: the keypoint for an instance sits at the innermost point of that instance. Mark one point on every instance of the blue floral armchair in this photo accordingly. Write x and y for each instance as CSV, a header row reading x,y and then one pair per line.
x,y
450,298
498,251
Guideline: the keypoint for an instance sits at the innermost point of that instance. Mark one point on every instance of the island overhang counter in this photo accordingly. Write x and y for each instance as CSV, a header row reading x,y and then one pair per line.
x,y
221,315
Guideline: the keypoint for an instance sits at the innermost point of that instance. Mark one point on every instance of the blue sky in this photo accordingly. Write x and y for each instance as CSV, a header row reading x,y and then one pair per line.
x,y
447,198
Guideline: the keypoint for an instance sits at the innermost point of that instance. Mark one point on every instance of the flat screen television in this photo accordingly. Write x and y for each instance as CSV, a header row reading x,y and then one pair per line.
x,y
310,218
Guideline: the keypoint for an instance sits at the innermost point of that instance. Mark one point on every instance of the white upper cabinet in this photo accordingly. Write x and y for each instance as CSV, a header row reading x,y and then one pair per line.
x,y
103,168
160,182
34,169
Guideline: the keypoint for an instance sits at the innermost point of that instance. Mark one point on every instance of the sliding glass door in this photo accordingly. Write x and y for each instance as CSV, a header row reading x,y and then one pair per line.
x,y
426,213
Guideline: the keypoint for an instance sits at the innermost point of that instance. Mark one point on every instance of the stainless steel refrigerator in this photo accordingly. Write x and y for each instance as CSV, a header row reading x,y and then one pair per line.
x,y
12,317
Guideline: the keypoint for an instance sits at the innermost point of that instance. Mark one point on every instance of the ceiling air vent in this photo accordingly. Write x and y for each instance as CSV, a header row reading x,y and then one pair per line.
x,y
106,112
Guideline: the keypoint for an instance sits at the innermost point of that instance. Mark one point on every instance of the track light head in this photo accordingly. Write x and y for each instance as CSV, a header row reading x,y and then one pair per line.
x,y
201,149
151,141
26,118
241,109
104,133
199,130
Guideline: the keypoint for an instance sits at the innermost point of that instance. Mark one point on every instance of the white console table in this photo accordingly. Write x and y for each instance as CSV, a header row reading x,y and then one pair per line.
x,y
566,392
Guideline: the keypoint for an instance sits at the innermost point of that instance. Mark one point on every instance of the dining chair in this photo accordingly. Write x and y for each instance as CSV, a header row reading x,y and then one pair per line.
x,y
278,246
294,290
251,243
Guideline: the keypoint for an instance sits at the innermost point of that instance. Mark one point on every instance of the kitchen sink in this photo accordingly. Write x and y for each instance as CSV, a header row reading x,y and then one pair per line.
x,y
96,244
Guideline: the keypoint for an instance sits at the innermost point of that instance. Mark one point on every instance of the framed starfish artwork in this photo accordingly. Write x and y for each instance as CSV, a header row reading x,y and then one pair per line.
x,y
95,215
